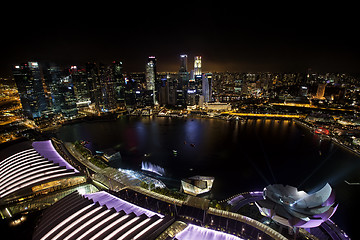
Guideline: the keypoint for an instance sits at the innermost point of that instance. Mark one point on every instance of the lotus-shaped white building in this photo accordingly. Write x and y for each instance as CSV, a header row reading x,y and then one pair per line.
x,y
290,207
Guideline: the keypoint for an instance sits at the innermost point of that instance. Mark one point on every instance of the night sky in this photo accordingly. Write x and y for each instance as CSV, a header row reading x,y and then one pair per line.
x,y
286,37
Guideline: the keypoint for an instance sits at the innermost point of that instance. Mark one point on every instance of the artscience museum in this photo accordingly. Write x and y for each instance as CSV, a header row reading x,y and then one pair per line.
x,y
291,207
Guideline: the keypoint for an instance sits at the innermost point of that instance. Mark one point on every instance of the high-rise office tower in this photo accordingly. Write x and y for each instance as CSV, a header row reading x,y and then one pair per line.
x,y
150,73
183,63
52,76
30,86
92,74
197,65
102,87
108,89
81,86
61,89
207,86
150,76
320,91
195,83
67,100
182,83
198,79
118,79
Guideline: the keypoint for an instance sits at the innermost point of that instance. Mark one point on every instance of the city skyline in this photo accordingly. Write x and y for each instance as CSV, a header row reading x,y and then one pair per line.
x,y
230,38
237,93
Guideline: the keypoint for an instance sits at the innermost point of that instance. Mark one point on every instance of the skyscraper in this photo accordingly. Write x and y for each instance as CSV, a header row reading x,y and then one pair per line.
x,y
195,83
150,76
182,83
207,86
52,76
29,83
150,73
119,82
197,65
107,88
67,99
198,79
320,91
183,63
92,74
81,86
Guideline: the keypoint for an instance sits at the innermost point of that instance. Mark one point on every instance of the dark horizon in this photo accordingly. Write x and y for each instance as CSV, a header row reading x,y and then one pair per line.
x,y
241,38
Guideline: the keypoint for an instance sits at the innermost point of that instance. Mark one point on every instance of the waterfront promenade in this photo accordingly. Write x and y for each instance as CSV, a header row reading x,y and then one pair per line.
x,y
122,181
125,186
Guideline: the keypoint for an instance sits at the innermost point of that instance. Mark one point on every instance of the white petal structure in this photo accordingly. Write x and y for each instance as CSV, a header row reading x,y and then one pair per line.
x,y
290,207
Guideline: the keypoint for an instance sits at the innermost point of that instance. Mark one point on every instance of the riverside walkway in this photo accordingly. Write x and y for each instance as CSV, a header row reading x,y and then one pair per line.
x,y
124,186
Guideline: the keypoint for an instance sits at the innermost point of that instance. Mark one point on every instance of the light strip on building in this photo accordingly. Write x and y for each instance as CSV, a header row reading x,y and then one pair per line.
x,y
21,159
121,228
24,170
14,155
84,235
148,228
76,222
6,163
30,176
86,224
134,229
28,163
109,226
66,221
17,163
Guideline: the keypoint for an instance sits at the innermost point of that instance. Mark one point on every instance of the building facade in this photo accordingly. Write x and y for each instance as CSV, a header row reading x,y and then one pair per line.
x,y
150,76
30,86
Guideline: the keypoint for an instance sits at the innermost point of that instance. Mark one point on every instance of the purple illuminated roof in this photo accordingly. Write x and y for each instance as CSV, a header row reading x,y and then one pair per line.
x,y
47,150
110,201
193,232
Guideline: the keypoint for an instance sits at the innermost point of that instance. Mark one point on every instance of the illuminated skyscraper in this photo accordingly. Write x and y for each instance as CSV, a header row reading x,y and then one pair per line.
x,y
92,74
119,81
102,87
108,89
81,85
194,90
207,86
60,89
52,75
183,63
320,91
150,76
182,82
197,66
29,83
66,97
